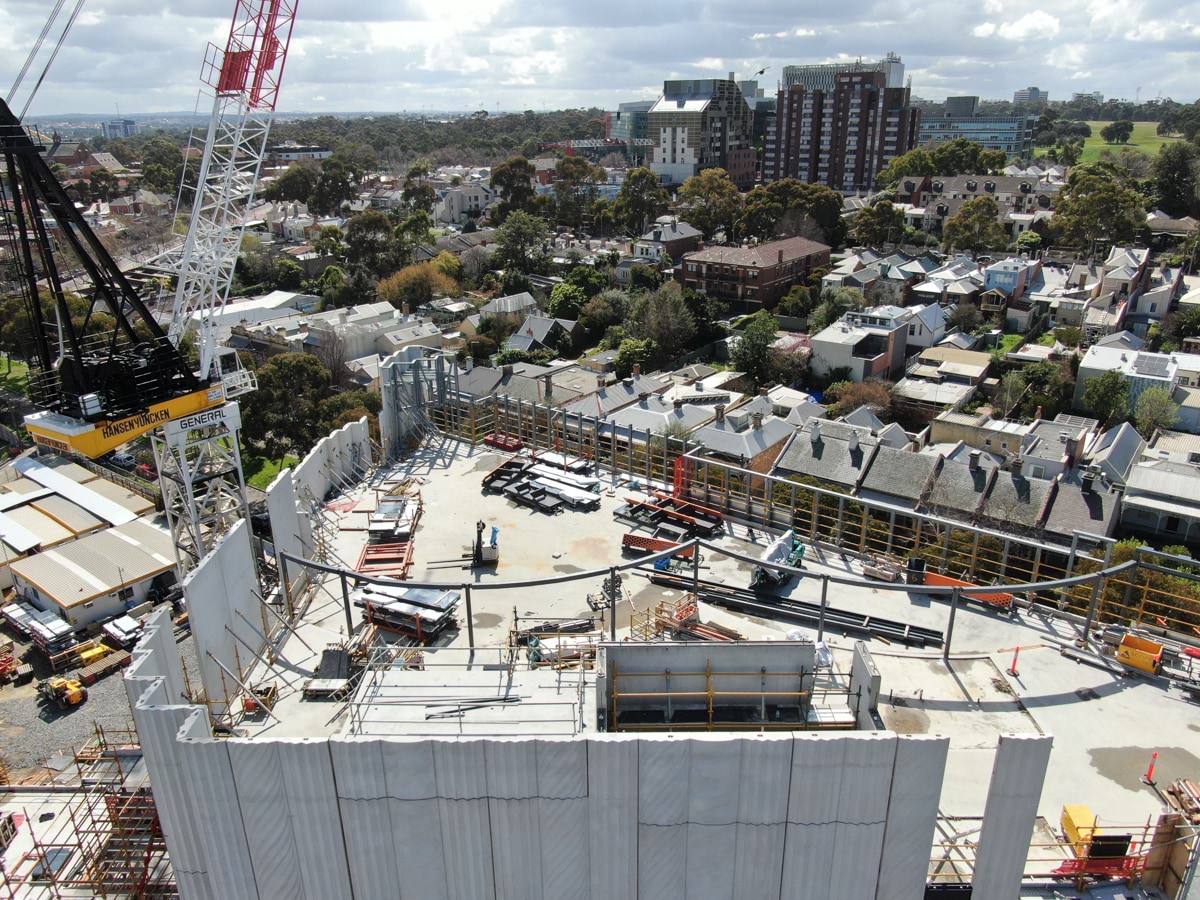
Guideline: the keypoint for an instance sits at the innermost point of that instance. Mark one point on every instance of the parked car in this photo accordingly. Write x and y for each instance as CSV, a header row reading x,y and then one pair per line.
x,y
123,460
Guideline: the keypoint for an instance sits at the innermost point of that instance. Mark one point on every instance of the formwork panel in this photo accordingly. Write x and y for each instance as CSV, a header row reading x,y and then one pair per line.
x,y
316,830
612,816
263,797
912,816
816,786
862,815
366,817
416,819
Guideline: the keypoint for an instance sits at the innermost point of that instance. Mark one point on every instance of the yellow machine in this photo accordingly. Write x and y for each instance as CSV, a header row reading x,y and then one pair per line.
x,y
63,692
1139,653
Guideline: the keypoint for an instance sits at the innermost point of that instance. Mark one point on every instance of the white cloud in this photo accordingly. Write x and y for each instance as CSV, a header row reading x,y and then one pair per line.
x,y
993,7
984,29
1037,25
804,32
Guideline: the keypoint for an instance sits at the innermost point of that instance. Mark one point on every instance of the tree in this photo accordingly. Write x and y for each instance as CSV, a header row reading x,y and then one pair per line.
x,y
712,202
791,208
874,226
1097,204
470,227
915,164
1155,409
514,182
103,184
370,244
413,232
752,352
1176,173
287,274
418,193
328,241
283,415
644,278
295,185
1117,132
1009,394
975,227
1029,242
575,188
416,285
521,243
797,303
604,310
633,351
1107,397
848,396
336,185
475,263
449,265
640,200
162,166
589,280
966,317
663,317
566,300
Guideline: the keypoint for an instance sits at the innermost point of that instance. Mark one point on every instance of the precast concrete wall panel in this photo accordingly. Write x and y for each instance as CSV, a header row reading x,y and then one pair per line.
x,y
612,778
221,604
712,791
562,788
813,804
362,790
912,816
158,726
286,534
663,773
862,815
263,796
219,816
764,777
1008,818
512,788
463,810
156,655
416,820
315,824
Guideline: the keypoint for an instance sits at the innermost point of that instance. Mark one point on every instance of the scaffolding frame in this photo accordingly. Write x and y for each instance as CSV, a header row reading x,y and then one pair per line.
x,y
109,841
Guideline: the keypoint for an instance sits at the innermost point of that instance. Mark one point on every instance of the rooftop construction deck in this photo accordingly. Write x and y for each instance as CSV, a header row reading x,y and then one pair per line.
x,y
971,700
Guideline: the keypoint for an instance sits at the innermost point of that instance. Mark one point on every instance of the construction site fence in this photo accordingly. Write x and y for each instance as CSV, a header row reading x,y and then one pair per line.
x,y
1163,595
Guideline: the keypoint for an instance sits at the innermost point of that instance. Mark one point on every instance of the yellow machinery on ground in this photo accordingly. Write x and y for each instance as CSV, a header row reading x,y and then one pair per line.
x,y
63,692
1141,654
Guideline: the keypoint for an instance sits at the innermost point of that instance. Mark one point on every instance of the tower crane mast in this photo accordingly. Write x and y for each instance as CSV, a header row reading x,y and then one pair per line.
x,y
245,77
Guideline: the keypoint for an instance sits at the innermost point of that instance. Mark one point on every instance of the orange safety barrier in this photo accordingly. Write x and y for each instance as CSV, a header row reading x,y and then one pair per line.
x,y
1003,600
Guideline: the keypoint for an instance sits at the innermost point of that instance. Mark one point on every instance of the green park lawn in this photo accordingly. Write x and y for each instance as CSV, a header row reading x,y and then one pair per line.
x,y
1144,138
13,375
260,472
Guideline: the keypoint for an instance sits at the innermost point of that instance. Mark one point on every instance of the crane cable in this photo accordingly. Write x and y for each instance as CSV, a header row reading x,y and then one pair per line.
x,y
58,46
34,52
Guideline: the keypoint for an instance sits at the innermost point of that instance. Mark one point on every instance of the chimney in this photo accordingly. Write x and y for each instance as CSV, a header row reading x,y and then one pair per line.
x,y
678,404
814,431
643,396
506,370
637,370
1037,415
1086,487
973,460
780,256
549,385
762,391
756,420
852,441
470,363
1016,466
720,412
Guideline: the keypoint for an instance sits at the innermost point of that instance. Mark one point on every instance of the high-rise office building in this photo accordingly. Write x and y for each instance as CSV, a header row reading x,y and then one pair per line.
x,y
702,123
1030,95
120,128
1012,134
628,123
961,106
840,124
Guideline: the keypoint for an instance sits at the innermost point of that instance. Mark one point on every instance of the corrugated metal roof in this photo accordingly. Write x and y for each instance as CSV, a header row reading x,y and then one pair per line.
x,y
1178,481
98,564
68,514
135,503
48,531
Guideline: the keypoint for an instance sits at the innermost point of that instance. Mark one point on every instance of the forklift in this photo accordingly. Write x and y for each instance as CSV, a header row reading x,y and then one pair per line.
x,y
64,693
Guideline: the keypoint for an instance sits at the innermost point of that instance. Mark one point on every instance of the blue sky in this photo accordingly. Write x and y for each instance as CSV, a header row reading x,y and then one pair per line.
x,y
393,55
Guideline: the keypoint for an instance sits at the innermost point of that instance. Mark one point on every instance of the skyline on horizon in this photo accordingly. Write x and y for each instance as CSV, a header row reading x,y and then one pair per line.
x,y
417,55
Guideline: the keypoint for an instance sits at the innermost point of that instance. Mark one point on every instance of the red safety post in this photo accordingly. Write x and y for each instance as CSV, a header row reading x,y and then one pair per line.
x,y
1148,778
1012,670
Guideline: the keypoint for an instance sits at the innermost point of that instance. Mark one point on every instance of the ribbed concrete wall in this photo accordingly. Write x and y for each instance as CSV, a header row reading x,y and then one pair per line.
x,y
1010,814
608,817
336,458
291,531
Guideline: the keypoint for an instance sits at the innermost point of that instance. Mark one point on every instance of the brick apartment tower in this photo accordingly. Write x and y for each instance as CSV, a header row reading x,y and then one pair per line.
x,y
841,124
